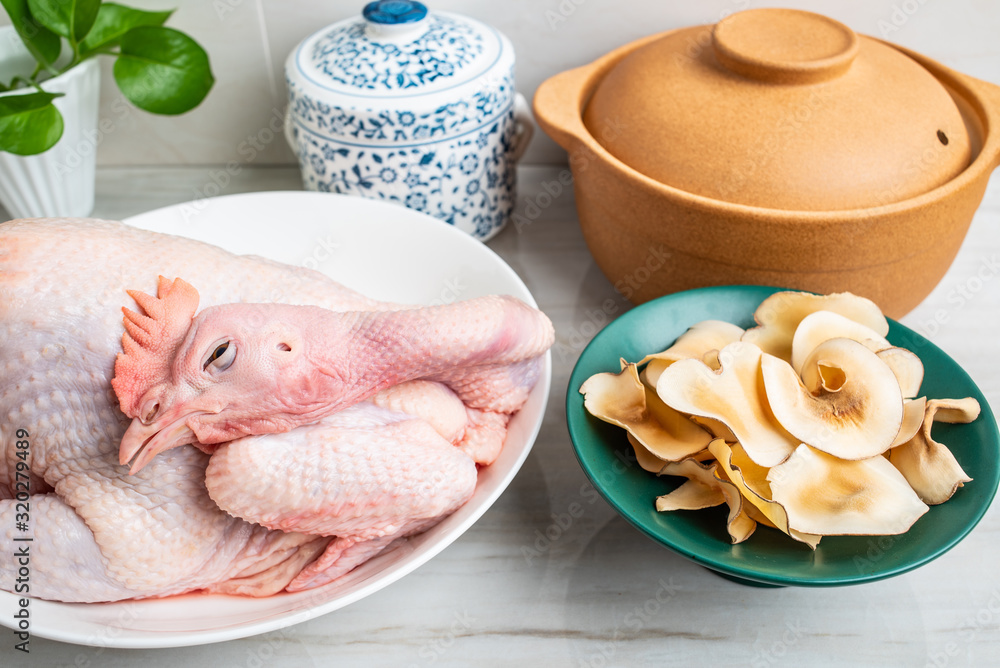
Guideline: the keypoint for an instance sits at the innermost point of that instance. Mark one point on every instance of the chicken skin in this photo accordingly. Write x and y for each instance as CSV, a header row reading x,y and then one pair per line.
x,y
229,500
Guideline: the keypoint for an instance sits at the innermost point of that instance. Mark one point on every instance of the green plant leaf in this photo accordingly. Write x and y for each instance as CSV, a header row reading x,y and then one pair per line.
x,y
30,123
43,44
162,70
70,18
113,21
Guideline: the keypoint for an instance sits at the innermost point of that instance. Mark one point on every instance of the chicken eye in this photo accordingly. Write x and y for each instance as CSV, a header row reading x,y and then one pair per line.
x,y
222,357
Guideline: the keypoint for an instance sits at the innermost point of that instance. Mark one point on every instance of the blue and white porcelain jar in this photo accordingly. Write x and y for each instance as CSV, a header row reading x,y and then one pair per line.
x,y
413,107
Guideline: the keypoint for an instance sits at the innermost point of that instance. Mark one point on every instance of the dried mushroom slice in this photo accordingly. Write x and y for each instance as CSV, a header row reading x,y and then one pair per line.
x,y
907,367
711,360
651,373
691,495
739,524
829,496
733,395
623,400
929,466
850,405
822,326
702,489
779,316
760,518
698,341
686,438
716,428
954,410
646,459
913,418
757,492
753,474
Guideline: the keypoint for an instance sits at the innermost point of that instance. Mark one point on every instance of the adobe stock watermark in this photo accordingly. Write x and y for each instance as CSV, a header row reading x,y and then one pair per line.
x,y
92,139
224,7
451,292
266,651
634,621
960,294
985,619
877,548
572,342
563,521
579,161
576,339
533,208
247,151
325,249
101,641
437,647
778,650
695,45
563,11
771,144
899,16
913,166
20,560
86,147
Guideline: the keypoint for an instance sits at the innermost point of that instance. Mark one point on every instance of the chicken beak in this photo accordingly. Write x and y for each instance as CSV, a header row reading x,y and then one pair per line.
x,y
152,439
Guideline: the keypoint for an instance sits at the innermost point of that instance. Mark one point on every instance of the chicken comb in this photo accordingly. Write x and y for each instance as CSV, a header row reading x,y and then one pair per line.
x,y
151,340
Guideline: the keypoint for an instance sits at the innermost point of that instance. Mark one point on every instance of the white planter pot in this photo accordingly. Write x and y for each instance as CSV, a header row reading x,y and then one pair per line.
x,y
59,182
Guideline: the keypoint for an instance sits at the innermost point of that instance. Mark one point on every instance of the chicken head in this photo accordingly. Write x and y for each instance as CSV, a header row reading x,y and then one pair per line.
x,y
247,369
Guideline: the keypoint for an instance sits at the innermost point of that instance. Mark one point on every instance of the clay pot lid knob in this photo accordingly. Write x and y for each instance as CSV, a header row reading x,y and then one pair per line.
x,y
784,46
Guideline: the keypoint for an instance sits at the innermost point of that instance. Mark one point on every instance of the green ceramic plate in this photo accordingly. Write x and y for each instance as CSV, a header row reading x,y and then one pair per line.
x,y
769,557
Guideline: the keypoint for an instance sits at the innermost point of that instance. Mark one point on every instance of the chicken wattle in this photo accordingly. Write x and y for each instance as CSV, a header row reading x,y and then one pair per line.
x,y
323,428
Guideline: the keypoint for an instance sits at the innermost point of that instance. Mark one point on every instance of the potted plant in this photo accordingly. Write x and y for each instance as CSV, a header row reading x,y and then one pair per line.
x,y
49,86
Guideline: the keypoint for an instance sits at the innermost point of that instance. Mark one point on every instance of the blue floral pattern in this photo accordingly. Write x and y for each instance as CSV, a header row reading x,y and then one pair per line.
x,y
349,58
386,127
423,117
468,181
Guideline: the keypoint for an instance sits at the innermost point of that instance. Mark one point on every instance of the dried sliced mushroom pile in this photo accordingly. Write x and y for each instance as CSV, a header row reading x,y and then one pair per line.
x,y
809,423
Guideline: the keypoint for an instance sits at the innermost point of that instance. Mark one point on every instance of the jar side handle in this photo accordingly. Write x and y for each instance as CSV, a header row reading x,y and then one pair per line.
x,y
524,127
289,133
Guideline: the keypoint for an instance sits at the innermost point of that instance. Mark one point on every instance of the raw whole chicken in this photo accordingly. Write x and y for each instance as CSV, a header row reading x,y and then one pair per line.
x,y
273,446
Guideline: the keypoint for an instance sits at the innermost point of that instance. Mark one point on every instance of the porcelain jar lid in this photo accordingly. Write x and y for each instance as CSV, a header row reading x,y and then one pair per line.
x,y
400,58
780,109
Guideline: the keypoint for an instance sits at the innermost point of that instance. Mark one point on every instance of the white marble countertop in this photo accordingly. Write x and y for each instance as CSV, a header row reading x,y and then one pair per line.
x,y
589,597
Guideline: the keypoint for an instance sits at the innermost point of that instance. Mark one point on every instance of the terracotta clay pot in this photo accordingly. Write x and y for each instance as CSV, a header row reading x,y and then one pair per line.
x,y
775,148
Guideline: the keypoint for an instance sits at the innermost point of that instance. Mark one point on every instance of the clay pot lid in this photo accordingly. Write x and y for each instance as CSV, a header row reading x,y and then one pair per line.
x,y
780,109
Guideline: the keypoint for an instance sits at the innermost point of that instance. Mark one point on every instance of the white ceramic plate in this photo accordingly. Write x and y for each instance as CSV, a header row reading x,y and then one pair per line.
x,y
384,251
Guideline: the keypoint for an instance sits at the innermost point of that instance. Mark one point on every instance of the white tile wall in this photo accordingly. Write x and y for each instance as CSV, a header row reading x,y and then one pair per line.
x,y
248,41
